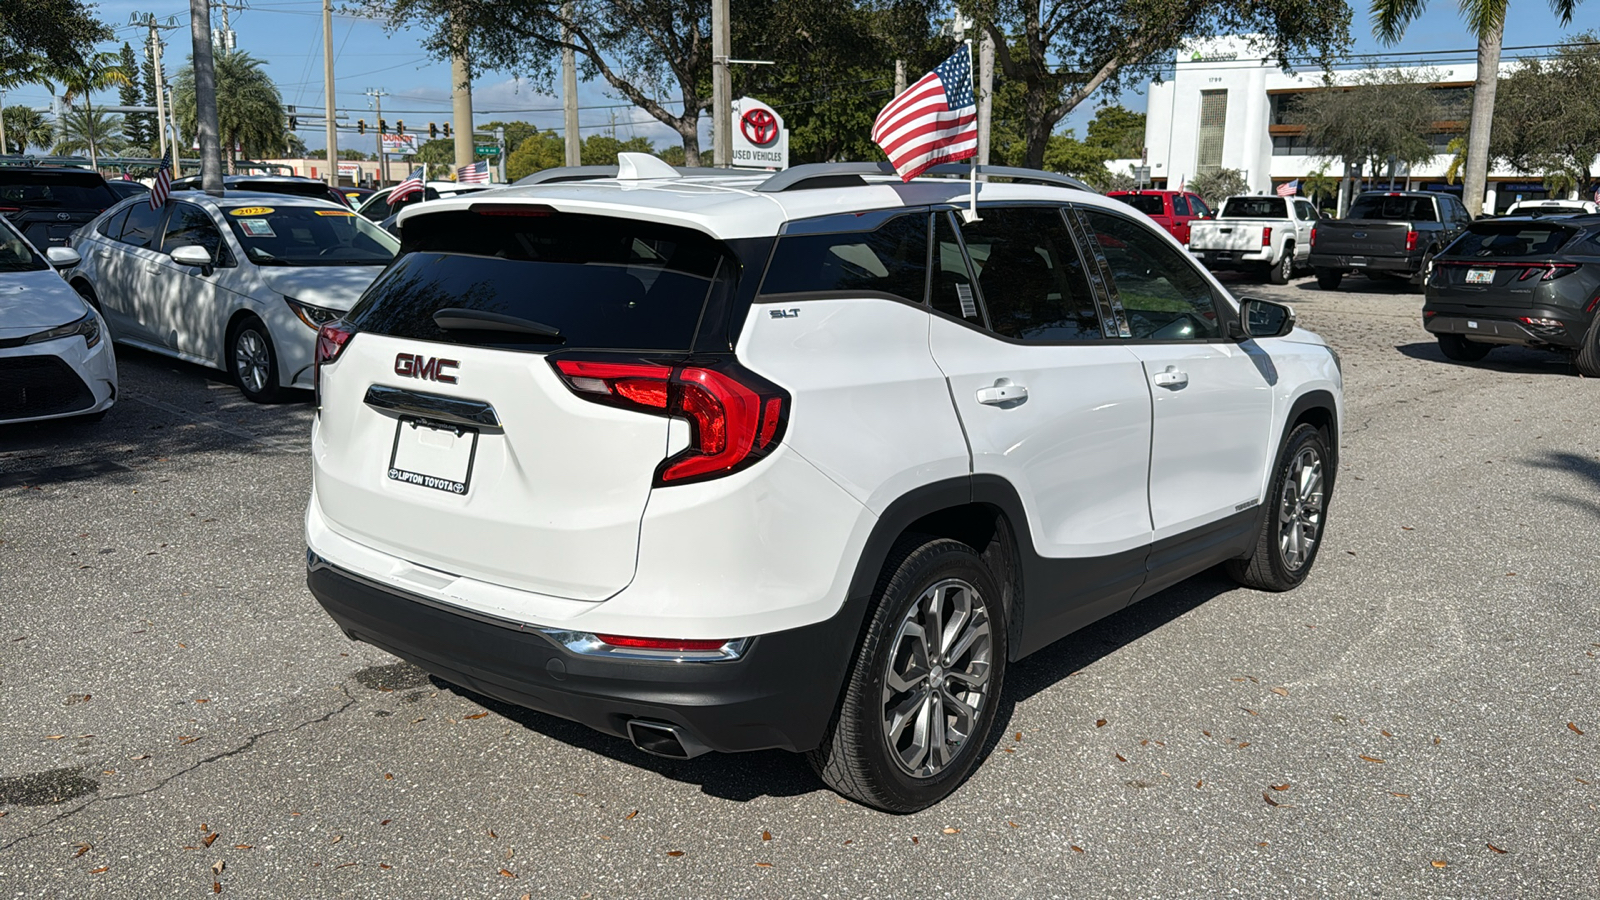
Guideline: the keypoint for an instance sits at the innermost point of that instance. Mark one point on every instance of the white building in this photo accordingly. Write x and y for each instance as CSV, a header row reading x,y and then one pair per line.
x,y
1225,107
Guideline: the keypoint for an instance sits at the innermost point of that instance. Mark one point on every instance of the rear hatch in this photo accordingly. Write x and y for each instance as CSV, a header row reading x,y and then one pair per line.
x,y
1377,225
1501,263
48,205
477,442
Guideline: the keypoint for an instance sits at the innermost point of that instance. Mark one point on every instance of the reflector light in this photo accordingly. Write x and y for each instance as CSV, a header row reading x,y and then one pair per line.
x,y
672,644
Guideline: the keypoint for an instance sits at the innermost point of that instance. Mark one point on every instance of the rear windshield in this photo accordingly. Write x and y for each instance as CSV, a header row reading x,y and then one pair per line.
x,y
1553,209
309,236
1397,209
1493,240
893,259
603,282
1149,204
54,190
1254,208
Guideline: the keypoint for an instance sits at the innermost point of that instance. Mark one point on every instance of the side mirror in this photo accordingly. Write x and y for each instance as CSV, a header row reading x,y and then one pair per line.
x,y
62,257
191,255
1262,319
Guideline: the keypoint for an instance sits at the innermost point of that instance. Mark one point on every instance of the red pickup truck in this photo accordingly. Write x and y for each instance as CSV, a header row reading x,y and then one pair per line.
x,y
1172,210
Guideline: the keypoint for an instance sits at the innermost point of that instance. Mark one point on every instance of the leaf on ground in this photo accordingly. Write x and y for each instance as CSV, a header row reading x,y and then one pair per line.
x,y
202,699
54,737
1407,528
1439,864
1200,783
186,739
209,839
630,815
1075,848
763,865
244,846
218,866
1370,759
1384,733
388,776
766,835
1279,787
1268,797
336,839
509,852
1494,848
1017,736
492,834
475,716
1261,843
385,821
1100,723
139,757
1008,749
914,840
385,866
1398,794
1281,691
1243,744
1250,711
216,887
949,830
1580,781
680,852
1013,824
1575,728
507,873
82,849
1122,758
99,870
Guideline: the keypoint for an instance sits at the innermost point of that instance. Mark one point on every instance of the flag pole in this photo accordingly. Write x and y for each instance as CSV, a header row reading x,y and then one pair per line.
x,y
972,172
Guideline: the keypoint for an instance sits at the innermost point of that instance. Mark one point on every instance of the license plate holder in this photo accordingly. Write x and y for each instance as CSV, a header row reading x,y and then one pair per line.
x,y
1480,276
1358,261
433,455
1224,256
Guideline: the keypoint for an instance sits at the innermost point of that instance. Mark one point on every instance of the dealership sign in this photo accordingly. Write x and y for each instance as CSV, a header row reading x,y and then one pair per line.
x,y
759,139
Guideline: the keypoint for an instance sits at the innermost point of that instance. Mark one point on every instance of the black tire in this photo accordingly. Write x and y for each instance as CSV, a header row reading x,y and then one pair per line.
x,y
1588,358
1420,280
856,758
1283,269
1458,348
1328,279
251,336
1269,567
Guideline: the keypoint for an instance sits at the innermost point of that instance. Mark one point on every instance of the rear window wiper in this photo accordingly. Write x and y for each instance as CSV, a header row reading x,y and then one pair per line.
x,y
458,319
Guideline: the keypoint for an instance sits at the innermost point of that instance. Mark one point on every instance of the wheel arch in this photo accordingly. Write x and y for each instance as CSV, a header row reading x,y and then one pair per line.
x,y
1319,409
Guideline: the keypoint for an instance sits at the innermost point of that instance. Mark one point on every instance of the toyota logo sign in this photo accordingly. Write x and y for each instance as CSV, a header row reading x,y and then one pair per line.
x,y
760,127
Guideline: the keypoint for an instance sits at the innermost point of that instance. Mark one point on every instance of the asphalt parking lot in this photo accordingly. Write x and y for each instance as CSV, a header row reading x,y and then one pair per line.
x,y
1421,718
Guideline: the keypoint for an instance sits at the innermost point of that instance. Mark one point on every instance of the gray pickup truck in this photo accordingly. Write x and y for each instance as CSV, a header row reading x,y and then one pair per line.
x,y
1387,233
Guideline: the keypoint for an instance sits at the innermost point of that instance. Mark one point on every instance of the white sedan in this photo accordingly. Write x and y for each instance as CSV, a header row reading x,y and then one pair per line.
x,y
239,282
55,360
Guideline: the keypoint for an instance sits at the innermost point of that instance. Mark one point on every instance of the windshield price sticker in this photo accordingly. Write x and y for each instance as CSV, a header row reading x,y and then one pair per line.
x,y
334,212
252,211
257,228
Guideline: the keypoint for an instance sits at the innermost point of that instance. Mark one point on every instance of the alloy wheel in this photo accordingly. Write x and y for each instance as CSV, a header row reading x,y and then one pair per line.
x,y
1300,508
252,361
937,681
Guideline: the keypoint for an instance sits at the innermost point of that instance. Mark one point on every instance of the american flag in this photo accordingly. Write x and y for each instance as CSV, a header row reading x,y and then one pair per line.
x,y
477,173
163,186
932,121
1289,188
412,185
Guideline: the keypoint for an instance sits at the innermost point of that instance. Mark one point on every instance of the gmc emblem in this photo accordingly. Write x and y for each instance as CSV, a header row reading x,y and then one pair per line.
x,y
413,365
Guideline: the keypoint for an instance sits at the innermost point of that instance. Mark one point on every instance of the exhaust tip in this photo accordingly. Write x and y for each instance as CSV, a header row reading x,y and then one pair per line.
x,y
661,739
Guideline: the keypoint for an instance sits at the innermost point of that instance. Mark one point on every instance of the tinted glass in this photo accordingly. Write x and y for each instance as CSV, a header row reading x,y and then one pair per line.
x,y
1254,208
16,255
950,290
54,190
1164,297
1199,206
140,228
603,282
1180,205
1030,276
1492,240
309,236
1149,204
1397,209
111,226
1305,210
892,260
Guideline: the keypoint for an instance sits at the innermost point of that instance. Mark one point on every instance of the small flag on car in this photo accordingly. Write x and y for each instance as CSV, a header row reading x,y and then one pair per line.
x,y
477,173
163,186
412,185
933,121
1289,188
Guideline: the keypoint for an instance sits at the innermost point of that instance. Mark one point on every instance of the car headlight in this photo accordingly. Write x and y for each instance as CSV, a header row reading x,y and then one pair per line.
x,y
314,316
88,326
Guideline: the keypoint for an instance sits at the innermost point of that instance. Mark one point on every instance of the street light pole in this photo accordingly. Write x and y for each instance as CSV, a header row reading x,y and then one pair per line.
x,y
327,79
721,89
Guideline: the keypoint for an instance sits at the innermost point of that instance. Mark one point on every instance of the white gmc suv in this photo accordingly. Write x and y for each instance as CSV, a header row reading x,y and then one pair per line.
x,y
729,461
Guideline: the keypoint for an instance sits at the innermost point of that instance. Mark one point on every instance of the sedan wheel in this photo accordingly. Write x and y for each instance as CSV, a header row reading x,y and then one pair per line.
x,y
254,364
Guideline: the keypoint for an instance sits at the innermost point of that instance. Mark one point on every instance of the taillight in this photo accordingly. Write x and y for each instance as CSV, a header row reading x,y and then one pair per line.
x,y
1266,236
681,645
735,417
1313,235
1411,240
1548,272
331,341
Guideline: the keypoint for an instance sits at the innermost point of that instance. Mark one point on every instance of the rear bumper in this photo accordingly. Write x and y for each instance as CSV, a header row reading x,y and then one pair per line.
x,y
1349,263
1491,330
1234,259
781,693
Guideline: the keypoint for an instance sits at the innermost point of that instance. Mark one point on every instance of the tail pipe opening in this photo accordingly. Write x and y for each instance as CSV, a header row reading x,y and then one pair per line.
x,y
661,739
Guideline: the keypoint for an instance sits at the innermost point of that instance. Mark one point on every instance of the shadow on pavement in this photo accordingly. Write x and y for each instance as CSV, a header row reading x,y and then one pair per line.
x,y
1584,467
1509,359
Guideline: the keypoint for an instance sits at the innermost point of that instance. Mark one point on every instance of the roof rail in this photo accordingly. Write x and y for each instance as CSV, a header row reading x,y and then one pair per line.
x,y
849,174
592,173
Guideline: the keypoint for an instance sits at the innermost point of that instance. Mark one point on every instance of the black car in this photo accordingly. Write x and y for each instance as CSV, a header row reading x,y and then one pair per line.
x,y
125,189
1533,282
293,185
48,204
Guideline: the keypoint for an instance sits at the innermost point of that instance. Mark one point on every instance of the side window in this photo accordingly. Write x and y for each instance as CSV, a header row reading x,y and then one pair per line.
x,y
1030,276
1305,211
891,260
1163,296
950,291
111,227
192,225
1180,205
140,228
1199,206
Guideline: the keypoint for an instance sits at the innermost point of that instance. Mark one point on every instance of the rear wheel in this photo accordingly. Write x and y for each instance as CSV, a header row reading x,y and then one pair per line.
x,y
922,696
1283,269
1328,279
252,362
1460,349
1291,527
1588,358
1420,280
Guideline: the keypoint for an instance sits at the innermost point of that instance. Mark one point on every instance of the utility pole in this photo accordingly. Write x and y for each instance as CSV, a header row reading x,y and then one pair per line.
x,y
899,77
569,92
377,95
461,102
332,133
500,139
227,40
985,95
721,89
205,92
149,21
3,148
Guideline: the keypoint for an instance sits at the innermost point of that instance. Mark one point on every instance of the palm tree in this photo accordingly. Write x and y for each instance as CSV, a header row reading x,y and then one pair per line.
x,y
1487,20
23,128
89,130
98,72
250,117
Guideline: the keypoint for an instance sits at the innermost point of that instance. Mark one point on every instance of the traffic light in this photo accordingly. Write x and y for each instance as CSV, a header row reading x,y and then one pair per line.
x,y
447,129
399,126
361,126
294,123
383,127
433,131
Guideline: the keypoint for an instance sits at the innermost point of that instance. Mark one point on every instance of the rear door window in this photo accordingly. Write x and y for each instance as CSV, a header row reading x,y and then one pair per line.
x,y
601,282
1030,276
111,226
891,260
1180,205
140,228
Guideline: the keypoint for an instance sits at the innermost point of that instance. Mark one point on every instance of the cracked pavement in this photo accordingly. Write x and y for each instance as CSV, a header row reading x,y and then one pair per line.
x,y
174,698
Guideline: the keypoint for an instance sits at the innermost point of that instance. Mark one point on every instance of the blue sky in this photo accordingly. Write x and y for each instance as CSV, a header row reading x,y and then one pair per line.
x,y
287,36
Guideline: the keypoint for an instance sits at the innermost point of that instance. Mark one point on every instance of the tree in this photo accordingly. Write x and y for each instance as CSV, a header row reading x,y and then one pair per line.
x,y
1547,114
440,152
1215,187
250,116
78,77
1064,52
1371,118
138,128
345,153
602,149
545,150
1486,20
24,128
92,131
35,34
1320,187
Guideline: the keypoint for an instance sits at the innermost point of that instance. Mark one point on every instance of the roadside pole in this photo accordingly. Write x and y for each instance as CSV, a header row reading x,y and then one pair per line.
x,y
461,104
205,90
569,93
500,138
327,79
721,89
383,164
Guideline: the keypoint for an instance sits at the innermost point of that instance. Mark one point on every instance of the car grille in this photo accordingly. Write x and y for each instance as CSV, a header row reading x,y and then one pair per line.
x,y
32,386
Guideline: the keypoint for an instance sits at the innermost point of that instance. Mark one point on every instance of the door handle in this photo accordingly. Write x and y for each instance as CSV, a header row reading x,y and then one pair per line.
x,y
1001,393
152,268
1171,378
